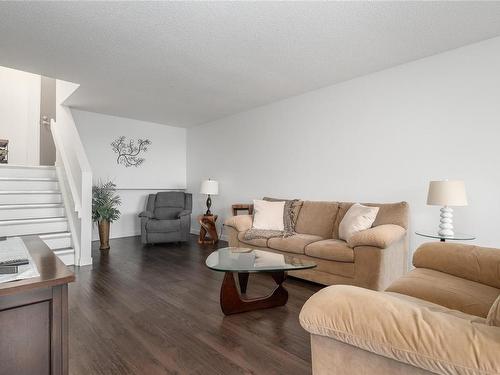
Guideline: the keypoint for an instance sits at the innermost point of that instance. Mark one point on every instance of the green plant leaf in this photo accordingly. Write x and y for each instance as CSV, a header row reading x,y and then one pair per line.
x,y
105,202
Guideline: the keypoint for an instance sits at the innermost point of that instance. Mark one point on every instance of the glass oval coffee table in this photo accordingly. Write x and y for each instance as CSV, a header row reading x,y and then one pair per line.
x,y
244,261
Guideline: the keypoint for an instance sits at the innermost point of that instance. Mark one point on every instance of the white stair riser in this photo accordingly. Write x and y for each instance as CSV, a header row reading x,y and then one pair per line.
x,y
34,186
28,185
68,258
30,198
58,243
33,228
31,213
6,171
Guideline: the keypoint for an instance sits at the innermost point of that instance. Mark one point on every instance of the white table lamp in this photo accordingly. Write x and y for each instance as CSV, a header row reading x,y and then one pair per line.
x,y
446,193
209,187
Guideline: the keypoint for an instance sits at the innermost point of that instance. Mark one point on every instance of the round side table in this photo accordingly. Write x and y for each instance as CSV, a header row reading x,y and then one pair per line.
x,y
455,237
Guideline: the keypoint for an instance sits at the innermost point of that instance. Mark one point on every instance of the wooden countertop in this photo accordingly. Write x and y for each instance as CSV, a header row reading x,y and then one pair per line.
x,y
52,270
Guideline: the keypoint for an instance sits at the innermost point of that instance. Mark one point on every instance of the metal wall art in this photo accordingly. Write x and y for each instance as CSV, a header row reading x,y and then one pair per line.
x,y
129,152
4,151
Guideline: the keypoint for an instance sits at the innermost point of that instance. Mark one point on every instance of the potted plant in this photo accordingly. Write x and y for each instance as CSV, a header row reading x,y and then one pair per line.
x,y
104,210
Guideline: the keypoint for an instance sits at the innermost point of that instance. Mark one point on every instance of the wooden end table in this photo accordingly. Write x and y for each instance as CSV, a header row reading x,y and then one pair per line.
x,y
242,207
208,230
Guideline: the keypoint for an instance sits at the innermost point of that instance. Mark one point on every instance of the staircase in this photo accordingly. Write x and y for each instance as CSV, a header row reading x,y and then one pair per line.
x,y
31,204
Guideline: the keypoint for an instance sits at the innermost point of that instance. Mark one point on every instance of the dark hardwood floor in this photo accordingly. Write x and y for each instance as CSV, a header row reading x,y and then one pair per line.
x,y
155,310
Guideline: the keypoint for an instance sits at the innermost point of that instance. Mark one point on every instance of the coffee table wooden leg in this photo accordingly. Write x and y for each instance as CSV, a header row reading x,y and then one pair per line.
x,y
243,280
232,303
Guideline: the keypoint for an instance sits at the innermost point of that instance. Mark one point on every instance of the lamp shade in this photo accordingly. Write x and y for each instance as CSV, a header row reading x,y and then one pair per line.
x,y
447,193
209,187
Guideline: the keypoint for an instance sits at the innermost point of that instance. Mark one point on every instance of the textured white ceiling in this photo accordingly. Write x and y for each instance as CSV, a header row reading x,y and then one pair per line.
x,y
186,63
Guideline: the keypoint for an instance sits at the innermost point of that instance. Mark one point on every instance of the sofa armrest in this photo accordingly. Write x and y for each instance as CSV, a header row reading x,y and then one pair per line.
x,y
381,236
184,213
431,338
240,222
147,214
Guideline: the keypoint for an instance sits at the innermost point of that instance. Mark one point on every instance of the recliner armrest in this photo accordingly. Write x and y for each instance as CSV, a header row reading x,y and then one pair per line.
x,y
240,222
424,335
381,236
184,213
147,214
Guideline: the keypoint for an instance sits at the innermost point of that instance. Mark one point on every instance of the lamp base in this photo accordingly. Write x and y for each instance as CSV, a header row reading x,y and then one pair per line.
x,y
446,222
209,204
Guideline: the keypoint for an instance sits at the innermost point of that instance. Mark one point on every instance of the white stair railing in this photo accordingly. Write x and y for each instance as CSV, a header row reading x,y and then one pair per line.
x,y
74,174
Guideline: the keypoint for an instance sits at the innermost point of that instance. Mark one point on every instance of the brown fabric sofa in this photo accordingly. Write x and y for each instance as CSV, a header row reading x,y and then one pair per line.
x,y
372,258
440,318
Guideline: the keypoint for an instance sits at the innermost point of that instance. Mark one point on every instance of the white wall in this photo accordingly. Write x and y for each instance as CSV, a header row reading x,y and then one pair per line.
x,y
20,114
377,138
164,167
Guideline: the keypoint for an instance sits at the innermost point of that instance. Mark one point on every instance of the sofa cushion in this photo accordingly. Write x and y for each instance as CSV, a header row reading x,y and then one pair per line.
x,y
170,199
293,244
317,218
391,213
163,226
447,290
330,249
168,204
326,272
259,242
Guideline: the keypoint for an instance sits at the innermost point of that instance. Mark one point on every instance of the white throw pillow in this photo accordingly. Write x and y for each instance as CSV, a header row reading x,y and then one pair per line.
x,y
357,218
268,215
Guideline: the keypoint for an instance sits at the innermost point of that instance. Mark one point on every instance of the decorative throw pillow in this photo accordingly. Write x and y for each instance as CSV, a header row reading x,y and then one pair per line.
x,y
357,218
268,215
493,318
290,213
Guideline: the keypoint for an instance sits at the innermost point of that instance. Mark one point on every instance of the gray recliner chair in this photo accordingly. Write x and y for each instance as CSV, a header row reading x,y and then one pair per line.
x,y
167,217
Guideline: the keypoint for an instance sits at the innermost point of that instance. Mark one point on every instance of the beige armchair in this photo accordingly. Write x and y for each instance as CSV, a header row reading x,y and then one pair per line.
x,y
441,318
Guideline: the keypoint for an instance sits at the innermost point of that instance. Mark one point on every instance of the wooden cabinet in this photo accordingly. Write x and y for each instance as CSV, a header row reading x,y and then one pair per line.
x,y
34,317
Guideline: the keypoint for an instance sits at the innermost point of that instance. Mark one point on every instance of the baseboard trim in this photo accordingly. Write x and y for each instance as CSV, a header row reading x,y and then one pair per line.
x,y
121,235
87,261
223,237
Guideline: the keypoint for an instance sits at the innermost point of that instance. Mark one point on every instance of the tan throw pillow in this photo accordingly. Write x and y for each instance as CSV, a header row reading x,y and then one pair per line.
x,y
493,318
357,218
268,215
